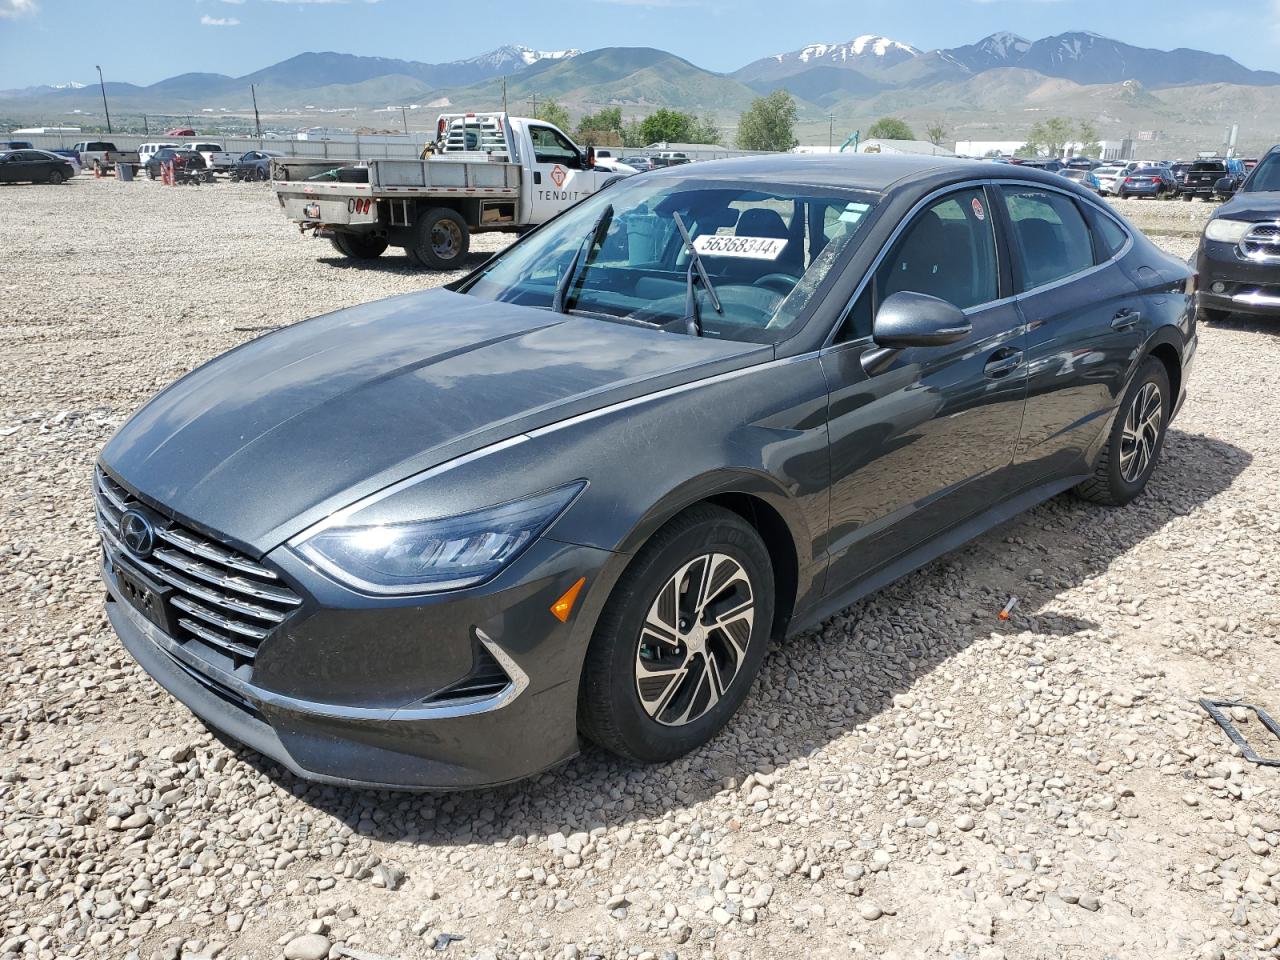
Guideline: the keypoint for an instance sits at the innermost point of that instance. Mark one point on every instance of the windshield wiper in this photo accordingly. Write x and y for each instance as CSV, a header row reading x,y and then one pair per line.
x,y
560,303
692,313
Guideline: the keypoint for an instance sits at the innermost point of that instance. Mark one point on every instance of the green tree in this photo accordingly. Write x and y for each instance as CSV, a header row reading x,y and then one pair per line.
x,y
553,113
1087,137
1049,136
667,126
633,135
608,120
936,132
769,123
705,130
890,128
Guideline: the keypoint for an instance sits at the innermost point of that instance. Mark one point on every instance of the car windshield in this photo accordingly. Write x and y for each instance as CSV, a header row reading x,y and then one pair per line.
x,y
766,249
1266,175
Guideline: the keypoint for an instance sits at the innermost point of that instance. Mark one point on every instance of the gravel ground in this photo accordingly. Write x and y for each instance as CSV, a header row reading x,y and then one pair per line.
x,y
913,778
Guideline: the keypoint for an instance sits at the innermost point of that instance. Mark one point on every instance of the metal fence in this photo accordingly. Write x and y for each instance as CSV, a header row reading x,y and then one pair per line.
x,y
346,148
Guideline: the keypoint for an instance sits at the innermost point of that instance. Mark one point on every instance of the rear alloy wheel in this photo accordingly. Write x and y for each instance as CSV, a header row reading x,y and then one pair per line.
x,y
440,239
358,247
681,638
1137,437
56,177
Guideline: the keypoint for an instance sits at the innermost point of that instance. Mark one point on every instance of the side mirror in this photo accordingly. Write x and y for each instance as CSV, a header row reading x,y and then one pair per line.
x,y
591,158
1225,185
907,319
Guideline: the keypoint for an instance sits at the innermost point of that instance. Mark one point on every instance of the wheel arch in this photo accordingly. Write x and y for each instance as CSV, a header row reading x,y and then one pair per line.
x,y
760,501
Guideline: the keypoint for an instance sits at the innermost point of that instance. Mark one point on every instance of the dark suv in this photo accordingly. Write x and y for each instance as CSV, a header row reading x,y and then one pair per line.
x,y
1239,258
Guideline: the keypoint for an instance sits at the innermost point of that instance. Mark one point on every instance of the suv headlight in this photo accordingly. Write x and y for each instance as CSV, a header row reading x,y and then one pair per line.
x,y
1227,231
429,556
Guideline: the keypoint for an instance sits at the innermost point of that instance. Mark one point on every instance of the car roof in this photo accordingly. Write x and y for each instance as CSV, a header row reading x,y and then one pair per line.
x,y
876,173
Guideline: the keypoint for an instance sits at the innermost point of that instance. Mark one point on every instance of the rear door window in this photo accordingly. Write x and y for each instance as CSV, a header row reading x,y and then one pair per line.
x,y
1051,236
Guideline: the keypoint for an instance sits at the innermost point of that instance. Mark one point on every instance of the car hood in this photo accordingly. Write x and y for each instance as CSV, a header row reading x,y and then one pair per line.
x,y
279,432
1264,205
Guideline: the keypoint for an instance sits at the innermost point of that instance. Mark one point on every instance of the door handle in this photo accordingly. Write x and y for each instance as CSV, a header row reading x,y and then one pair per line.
x,y
537,176
1002,363
1125,319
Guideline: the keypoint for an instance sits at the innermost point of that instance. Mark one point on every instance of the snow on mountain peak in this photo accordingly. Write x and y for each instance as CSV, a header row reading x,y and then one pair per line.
x,y
867,45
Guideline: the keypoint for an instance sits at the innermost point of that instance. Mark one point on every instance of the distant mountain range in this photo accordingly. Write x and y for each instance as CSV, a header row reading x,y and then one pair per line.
x,y
855,76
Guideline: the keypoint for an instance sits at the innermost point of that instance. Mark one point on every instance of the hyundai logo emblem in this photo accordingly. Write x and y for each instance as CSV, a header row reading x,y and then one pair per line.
x,y
137,533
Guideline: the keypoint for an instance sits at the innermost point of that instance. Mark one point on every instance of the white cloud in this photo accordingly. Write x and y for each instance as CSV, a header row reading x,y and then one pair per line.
x,y
236,2
209,21
18,8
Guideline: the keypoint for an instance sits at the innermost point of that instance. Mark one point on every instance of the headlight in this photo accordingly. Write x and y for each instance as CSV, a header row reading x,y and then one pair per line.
x,y
1228,231
427,556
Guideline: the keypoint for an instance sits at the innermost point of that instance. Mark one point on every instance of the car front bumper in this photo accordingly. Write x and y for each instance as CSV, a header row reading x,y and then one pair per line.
x,y
1246,286
343,718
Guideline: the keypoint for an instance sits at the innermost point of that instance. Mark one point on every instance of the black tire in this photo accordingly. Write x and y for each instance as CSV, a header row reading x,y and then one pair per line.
x,y
264,174
440,239
358,247
1206,315
1112,484
610,709
1186,197
55,177
151,173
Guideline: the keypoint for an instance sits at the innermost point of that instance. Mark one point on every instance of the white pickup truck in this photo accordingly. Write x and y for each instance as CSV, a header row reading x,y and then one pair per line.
x,y
490,172
218,159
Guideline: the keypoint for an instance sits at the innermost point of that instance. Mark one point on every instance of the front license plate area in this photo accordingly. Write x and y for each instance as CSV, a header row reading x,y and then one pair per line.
x,y
311,210
145,596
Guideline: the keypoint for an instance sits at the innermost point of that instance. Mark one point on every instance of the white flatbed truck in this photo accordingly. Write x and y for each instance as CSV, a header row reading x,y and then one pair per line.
x,y
491,172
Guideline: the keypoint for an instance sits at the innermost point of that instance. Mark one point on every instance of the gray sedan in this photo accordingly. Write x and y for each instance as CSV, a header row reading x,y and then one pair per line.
x,y
438,540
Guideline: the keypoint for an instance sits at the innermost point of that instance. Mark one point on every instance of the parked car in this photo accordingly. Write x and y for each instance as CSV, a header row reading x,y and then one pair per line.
x,y
6,145
71,156
1154,183
34,166
1106,177
148,150
187,164
180,132
1082,176
701,409
255,165
1201,178
639,163
1231,182
217,159
1238,261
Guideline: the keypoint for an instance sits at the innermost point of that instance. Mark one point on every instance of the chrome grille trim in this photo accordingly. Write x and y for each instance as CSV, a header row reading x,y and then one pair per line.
x,y
1262,242
224,603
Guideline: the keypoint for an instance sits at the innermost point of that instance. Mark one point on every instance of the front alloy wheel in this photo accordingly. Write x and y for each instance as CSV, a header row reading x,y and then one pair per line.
x,y
694,641
680,639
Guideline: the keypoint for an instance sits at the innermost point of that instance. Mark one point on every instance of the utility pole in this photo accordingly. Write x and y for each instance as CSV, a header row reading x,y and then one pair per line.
x,y
257,121
404,116
103,87
831,131
533,105
146,129
504,94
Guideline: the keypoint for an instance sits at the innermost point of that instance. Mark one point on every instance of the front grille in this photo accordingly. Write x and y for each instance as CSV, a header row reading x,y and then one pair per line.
x,y
223,603
1262,242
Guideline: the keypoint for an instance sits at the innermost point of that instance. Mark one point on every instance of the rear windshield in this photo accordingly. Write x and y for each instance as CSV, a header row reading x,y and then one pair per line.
x,y
1211,166
1148,172
1266,175
209,147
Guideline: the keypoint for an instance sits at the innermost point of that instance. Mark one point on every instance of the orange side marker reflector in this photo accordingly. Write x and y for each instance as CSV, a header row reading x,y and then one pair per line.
x,y
564,606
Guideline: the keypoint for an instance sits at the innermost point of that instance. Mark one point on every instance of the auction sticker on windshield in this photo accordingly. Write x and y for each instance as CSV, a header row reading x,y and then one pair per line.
x,y
751,248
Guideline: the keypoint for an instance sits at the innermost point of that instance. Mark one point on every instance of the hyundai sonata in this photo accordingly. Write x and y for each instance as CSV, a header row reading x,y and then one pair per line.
x,y
433,541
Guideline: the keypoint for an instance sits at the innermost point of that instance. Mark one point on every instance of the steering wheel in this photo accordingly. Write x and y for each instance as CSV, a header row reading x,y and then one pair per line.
x,y
782,283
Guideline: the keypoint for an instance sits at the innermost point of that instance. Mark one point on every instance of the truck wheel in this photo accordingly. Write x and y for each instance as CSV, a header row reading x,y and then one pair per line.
x,y
357,247
440,239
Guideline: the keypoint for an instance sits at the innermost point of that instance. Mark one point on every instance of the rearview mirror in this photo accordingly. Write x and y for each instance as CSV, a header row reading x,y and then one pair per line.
x,y
907,319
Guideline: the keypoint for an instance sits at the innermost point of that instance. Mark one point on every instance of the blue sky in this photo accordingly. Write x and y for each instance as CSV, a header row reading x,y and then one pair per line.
x,y
51,41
